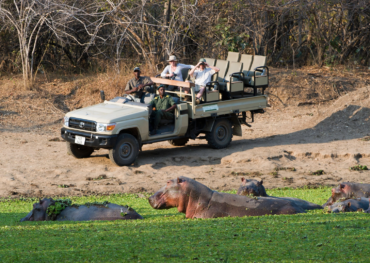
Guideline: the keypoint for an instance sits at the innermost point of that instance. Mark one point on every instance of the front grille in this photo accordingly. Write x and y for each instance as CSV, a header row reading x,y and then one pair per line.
x,y
82,124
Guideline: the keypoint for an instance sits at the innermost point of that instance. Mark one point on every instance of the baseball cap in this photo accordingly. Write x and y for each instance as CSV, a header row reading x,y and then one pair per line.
x,y
136,69
202,60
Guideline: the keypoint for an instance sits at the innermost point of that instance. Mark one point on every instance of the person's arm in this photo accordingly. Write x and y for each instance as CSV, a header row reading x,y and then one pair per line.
x,y
166,72
185,66
128,90
213,68
147,82
191,73
173,105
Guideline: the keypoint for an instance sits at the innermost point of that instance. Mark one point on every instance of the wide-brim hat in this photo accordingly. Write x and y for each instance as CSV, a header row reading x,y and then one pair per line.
x,y
172,58
136,69
202,60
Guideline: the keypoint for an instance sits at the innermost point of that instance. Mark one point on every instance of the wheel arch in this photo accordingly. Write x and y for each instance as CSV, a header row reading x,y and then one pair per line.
x,y
134,131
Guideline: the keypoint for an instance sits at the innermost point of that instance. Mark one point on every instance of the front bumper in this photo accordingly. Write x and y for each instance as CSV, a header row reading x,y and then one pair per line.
x,y
92,140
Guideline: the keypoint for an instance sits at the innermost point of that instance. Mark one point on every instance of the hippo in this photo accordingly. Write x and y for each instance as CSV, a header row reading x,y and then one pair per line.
x,y
350,205
81,212
348,190
251,187
198,201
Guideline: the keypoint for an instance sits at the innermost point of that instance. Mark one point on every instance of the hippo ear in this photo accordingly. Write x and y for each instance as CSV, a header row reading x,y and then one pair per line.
x,y
243,179
260,183
179,180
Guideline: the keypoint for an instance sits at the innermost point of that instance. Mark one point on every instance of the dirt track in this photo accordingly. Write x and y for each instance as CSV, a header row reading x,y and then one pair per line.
x,y
327,133
329,137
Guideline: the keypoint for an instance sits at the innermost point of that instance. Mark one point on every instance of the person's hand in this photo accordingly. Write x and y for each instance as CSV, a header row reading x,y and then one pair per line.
x,y
163,110
140,86
206,64
170,75
198,64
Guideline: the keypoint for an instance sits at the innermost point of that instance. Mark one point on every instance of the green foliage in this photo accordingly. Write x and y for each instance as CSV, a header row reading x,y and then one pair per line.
x,y
233,40
55,209
167,236
358,168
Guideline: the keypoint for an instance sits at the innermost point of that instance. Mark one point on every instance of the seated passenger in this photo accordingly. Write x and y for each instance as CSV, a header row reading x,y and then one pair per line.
x,y
203,75
173,70
138,85
164,106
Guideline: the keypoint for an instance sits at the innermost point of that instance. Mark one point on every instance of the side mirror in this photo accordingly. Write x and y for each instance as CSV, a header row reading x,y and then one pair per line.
x,y
102,95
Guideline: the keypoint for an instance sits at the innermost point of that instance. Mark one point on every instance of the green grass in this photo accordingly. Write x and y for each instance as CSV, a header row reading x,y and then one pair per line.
x,y
167,236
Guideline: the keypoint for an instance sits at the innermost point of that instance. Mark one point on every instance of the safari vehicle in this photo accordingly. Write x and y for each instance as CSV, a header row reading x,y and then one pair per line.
x,y
121,125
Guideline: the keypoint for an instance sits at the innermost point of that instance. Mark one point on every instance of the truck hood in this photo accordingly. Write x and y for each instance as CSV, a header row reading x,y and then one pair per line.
x,y
109,112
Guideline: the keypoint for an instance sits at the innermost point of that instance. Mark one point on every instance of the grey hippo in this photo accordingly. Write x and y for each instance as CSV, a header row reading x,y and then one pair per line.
x,y
81,212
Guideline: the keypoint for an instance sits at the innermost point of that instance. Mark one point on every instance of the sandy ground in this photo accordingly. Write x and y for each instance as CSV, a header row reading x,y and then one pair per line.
x,y
331,137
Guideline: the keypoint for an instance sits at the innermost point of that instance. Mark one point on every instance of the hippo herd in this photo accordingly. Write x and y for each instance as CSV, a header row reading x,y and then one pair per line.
x,y
196,200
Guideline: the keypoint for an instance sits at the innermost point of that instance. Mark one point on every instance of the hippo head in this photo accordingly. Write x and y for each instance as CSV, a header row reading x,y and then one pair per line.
x,y
251,187
183,193
342,191
340,207
168,196
38,212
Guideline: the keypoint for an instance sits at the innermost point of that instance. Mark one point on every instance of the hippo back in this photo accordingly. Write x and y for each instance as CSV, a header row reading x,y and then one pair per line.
x,y
223,204
301,203
97,212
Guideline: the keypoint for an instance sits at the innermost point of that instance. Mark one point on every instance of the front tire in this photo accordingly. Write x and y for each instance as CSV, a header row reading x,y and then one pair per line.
x,y
179,142
221,134
125,151
79,151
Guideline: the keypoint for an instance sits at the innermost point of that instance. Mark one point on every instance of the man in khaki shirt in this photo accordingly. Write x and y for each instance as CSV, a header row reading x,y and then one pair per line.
x,y
138,86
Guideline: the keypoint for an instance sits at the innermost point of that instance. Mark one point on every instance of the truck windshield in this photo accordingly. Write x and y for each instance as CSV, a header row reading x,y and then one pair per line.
x,y
122,100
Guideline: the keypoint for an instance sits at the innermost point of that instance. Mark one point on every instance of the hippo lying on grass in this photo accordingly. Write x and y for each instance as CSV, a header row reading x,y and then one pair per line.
x,y
198,201
61,210
350,205
251,187
348,190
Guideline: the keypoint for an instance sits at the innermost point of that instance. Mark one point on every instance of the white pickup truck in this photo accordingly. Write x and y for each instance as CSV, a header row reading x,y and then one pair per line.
x,y
121,125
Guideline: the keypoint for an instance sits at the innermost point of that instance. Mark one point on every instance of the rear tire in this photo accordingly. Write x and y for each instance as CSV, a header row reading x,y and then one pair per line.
x,y
79,151
179,142
125,151
221,134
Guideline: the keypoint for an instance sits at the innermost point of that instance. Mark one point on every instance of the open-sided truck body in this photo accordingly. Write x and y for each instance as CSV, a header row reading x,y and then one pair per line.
x,y
122,125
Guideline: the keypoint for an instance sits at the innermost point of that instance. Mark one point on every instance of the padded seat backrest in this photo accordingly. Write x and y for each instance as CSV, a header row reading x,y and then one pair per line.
x,y
258,61
211,61
234,67
233,56
247,62
185,73
223,66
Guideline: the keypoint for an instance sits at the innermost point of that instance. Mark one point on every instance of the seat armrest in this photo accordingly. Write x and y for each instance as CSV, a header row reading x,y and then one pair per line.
x,y
261,69
238,75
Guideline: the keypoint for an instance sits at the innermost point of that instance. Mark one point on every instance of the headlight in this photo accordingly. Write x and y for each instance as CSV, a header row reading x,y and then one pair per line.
x,y
102,127
66,121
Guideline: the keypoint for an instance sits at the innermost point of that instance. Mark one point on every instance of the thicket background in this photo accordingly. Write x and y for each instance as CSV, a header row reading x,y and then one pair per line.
x,y
76,36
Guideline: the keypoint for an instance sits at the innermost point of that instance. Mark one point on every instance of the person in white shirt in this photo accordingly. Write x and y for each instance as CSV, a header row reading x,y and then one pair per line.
x,y
203,74
173,70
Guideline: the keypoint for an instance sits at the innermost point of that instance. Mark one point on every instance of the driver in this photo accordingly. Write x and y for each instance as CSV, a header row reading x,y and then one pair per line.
x,y
138,85
163,106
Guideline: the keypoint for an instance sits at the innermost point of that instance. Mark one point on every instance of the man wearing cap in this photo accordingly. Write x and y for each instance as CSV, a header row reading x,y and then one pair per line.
x,y
203,74
164,106
136,85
